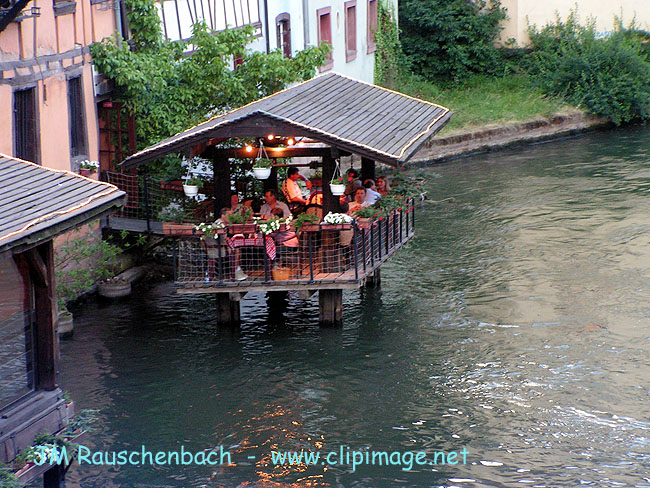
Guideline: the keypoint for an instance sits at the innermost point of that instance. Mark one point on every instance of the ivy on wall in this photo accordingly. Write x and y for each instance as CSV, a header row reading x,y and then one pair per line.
x,y
390,62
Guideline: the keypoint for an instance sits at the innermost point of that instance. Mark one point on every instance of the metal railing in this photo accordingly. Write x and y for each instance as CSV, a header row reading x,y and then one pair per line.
x,y
152,200
344,253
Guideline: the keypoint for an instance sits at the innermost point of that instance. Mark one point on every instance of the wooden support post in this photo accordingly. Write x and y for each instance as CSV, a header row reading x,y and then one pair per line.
x,y
330,305
330,202
222,184
367,169
271,183
228,312
374,280
54,477
41,264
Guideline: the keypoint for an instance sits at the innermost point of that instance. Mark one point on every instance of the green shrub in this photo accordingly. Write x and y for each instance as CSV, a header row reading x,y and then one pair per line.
x,y
607,76
451,39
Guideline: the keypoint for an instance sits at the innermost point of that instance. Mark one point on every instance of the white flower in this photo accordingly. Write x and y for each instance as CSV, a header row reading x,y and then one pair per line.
x,y
337,218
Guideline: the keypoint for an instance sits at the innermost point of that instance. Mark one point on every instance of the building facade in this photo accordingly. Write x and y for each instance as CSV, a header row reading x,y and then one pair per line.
x,y
289,25
522,13
48,97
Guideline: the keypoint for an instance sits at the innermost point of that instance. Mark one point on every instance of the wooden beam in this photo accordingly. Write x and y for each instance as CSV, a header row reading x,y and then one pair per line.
x,y
330,306
228,312
47,356
273,152
374,280
37,267
222,183
367,169
330,202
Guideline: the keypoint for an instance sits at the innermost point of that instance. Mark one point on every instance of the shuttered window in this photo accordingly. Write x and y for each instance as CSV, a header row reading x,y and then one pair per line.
x,y
350,30
325,33
76,118
25,142
372,26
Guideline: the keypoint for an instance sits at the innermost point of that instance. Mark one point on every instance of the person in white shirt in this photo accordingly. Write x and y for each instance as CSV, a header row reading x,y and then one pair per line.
x,y
271,199
372,195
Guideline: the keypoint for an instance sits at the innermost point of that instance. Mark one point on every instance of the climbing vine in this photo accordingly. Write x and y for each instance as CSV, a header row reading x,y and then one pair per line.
x,y
390,62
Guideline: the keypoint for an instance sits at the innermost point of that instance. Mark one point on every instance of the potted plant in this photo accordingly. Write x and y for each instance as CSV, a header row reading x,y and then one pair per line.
x,y
88,168
191,186
337,186
262,168
336,221
306,222
366,216
238,221
274,224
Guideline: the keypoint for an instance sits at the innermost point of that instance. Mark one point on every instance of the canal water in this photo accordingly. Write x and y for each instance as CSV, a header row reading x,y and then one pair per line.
x,y
516,325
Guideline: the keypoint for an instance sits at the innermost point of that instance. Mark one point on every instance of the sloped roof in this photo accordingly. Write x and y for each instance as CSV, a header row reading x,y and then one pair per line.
x,y
332,108
38,203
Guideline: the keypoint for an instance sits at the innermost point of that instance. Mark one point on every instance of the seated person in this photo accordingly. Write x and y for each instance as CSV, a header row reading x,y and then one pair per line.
x,y
382,186
271,199
372,195
353,183
292,191
359,201
288,238
223,216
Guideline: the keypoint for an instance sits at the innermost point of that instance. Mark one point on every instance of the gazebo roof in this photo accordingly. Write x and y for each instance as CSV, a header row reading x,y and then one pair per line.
x,y
352,115
38,203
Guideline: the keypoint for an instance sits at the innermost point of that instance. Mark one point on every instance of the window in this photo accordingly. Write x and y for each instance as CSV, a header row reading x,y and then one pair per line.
x,y
283,30
16,331
350,30
372,25
25,142
325,33
76,118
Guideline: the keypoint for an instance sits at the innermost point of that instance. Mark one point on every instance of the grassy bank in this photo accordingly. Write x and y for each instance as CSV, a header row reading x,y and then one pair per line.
x,y
485,101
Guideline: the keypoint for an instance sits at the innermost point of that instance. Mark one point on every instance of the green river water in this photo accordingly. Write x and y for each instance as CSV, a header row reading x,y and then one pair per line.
x,y
515,325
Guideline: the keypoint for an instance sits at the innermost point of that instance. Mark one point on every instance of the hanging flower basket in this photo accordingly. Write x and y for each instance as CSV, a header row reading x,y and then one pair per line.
x,y
262,173
337,189
191,190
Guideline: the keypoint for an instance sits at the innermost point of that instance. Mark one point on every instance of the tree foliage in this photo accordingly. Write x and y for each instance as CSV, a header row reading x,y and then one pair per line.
x,y
170,87
607,76
451,39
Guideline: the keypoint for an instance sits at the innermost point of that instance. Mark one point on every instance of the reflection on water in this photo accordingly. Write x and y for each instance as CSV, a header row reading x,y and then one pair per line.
x,y
515,325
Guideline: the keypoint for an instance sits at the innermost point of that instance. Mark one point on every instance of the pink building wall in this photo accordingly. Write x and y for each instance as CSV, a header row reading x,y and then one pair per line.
x,y
43,53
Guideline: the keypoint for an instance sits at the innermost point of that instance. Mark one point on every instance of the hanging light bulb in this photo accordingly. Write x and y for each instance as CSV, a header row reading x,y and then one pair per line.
x,y
270,137
249,148
290,141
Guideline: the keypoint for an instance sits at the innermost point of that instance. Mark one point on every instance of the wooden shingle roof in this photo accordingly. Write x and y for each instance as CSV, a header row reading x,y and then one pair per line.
x,y
38,203
346,113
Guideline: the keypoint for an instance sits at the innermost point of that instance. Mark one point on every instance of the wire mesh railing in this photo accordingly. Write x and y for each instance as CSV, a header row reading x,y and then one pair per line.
x,y
239,256
156,200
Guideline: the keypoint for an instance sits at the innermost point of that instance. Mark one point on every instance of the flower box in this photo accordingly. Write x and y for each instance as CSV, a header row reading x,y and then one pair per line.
x,y
242,228
365,222
335,226
310,228
174,229
88,173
